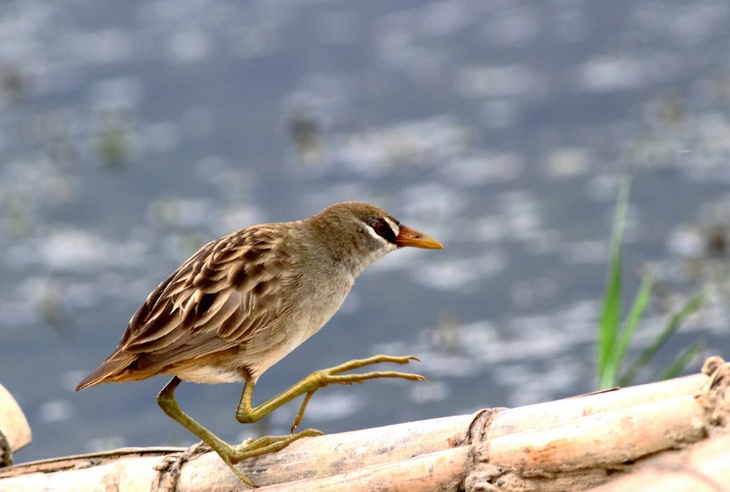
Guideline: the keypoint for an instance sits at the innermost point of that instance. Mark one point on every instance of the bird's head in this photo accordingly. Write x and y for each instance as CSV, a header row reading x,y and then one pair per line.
x,y
361,233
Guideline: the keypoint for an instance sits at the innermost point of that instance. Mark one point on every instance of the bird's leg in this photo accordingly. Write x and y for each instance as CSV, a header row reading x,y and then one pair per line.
x,y
319,379
229,454
166,401
245,413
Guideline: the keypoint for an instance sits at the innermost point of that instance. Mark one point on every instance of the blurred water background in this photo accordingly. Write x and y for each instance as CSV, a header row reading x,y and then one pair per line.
x,y
133,132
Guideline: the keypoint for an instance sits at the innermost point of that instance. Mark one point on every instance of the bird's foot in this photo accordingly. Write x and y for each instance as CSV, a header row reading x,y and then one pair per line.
x,y
251,448
333,375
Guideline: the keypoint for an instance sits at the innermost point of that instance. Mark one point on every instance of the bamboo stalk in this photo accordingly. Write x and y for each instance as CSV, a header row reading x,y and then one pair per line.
x,y
703,468
571,444
441,470
14,429
617,436
558,412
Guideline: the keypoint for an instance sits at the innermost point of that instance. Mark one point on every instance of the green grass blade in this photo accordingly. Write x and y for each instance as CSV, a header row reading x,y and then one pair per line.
x,y
637,311
610,315
683,360
670,329
608,327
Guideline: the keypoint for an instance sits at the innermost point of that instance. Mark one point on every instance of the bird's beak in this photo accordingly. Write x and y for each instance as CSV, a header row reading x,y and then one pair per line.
x,y
411,237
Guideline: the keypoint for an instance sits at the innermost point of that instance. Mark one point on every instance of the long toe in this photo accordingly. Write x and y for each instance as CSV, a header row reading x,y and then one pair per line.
x,y
268,445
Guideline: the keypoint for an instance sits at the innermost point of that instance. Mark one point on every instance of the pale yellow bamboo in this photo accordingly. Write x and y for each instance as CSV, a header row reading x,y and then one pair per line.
x,y
128,474
442,470
344,453
703,468
617,436
558,412
13,424
568,443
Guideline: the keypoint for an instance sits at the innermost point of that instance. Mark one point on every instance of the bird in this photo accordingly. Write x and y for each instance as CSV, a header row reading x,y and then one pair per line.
x,y
243,302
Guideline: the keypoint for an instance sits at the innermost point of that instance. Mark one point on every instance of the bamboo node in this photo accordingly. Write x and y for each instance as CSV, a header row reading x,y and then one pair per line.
x,y
712,364
478,427
486,478
170,466
714,395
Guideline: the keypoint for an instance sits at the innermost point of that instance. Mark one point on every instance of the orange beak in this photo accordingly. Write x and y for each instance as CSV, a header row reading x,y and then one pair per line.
x,y
411,237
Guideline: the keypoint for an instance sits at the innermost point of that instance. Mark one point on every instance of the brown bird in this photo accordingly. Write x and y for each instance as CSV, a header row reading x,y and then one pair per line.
x,y
244,301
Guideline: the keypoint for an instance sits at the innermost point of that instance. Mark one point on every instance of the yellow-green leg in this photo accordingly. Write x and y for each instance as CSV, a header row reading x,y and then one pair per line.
x,y
245,413
319,379
229,454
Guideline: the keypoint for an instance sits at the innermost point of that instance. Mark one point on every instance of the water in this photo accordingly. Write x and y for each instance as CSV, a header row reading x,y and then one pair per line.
x,y
131,135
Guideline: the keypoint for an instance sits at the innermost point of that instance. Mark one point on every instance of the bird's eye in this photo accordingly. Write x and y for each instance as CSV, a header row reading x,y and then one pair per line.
x,y
383,229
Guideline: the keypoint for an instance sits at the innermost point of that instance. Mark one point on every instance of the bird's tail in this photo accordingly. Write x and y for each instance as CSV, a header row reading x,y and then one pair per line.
x,y
112,370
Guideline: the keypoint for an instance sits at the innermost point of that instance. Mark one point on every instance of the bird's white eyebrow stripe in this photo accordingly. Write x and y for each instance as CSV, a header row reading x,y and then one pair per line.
x,y
394,226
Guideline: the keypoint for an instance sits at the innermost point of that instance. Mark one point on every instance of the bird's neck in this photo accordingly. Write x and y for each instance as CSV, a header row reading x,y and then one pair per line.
x,y
341,250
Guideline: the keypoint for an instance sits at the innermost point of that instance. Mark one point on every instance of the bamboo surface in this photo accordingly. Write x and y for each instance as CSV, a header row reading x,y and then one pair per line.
x,y
578,443
703,468
14,429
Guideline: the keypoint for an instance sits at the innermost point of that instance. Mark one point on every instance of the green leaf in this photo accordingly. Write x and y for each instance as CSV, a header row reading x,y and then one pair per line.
x,y
691,306
610,315
637,311
683,360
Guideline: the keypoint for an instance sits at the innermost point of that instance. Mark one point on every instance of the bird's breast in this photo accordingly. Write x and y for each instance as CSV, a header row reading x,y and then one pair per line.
x,y
315,304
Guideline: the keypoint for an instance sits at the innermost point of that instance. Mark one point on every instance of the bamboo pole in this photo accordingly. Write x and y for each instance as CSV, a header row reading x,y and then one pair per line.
x,y
703,468
14,429
571,444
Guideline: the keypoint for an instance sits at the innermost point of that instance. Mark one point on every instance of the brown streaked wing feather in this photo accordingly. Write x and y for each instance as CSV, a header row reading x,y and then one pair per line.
x,y
215,301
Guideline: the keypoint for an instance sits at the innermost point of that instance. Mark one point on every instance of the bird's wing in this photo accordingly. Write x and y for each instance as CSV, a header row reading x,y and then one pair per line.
x,y
221,296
